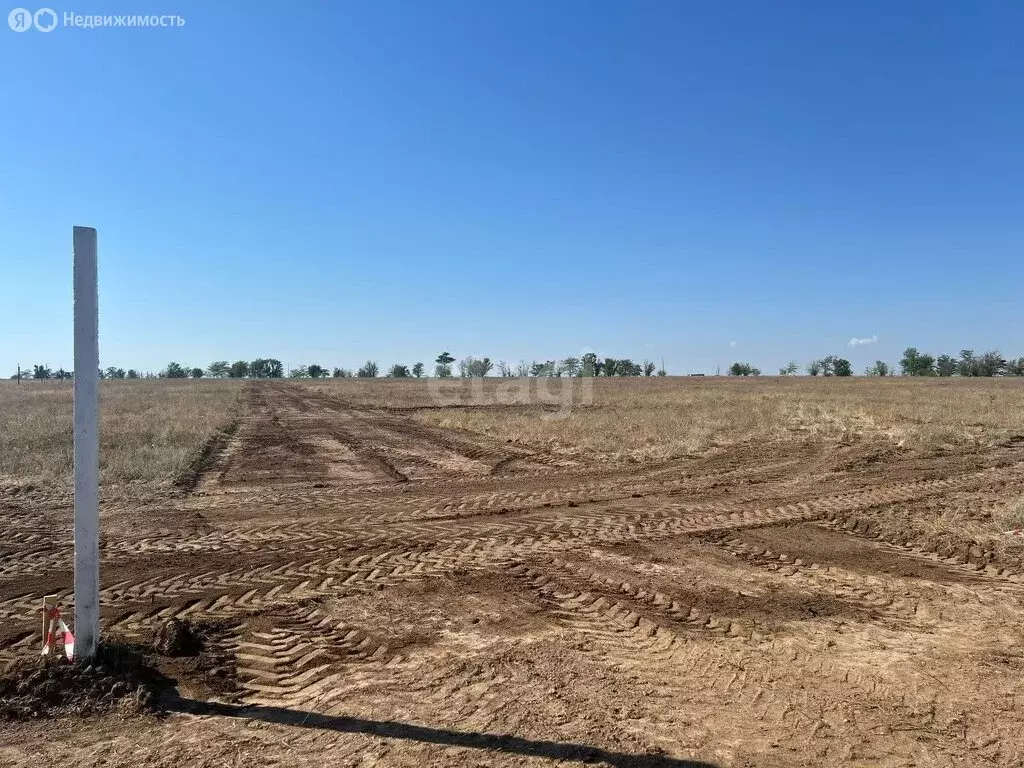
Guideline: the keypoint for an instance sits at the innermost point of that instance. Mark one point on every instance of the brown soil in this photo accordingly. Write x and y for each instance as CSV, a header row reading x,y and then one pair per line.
x,y
358,588
176,638
814,544
119,676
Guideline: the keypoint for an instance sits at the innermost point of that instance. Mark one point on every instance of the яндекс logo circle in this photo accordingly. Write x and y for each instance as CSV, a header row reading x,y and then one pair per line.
x,y
20,19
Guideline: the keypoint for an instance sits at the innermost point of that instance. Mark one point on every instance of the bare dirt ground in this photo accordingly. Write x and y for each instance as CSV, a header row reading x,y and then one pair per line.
x,y
393,593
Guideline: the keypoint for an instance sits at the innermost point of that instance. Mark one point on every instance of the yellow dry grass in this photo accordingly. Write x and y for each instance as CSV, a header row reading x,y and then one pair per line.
x,y
150,430
650,419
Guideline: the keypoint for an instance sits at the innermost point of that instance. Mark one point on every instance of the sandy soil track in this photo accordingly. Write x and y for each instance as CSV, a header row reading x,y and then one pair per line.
x,y
397,594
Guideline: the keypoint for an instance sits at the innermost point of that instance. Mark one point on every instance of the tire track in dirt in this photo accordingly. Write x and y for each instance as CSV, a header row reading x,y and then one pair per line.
x,y
244,590
291,659
314,504
643,632
645,519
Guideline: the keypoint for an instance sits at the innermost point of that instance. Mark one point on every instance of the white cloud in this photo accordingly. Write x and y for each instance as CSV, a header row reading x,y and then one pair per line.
x,y
732,343
855,342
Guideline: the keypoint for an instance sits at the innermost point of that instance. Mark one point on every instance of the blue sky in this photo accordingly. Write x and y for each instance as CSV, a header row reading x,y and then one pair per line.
x,y
331,182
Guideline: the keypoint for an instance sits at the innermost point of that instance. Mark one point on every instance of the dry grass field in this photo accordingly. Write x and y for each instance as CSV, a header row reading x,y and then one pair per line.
x,y
658,419
643,574
151,430
652,420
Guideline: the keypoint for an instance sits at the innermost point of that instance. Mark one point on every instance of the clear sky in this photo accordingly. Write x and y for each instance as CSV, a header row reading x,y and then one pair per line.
x,y
335,181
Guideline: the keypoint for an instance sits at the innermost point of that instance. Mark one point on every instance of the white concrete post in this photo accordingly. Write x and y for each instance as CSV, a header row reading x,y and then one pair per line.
x,y
87,417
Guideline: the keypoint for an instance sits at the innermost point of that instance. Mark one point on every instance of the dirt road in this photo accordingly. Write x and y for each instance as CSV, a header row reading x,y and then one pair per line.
x,y
395,594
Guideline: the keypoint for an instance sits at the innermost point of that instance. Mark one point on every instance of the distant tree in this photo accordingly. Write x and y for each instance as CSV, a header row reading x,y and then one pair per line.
x,y
417,370
915,363
572,366
590,365
828,365
132,373
880,368
477,367
219,369
841,367
302,372
926,365
1015,367
174,371
814,368
789,370
368,371
523,369
342,373
41,372
988,364
649,368
831,365
610,366
662,371
945,365
196,373
504,369
398,372
967,365
115,373
537,369
60,374
627,367
991,363
316,371
743,369
239,369
443,368
266,368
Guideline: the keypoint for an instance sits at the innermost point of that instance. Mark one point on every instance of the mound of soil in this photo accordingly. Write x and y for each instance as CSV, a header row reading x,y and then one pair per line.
x,y
196,655
118,677
177,638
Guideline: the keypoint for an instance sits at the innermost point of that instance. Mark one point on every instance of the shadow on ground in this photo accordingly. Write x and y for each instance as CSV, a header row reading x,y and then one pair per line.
x,y
392,730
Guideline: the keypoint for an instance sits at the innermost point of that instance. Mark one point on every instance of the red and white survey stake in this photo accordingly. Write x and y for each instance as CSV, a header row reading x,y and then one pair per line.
x,y
54,626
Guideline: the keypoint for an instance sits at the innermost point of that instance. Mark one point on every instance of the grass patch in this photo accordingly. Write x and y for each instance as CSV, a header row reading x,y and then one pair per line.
x,y
651,419
150,430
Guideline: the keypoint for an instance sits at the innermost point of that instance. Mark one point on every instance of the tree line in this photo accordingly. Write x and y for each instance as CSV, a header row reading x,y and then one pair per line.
x,y
967,363
445,366
913,363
